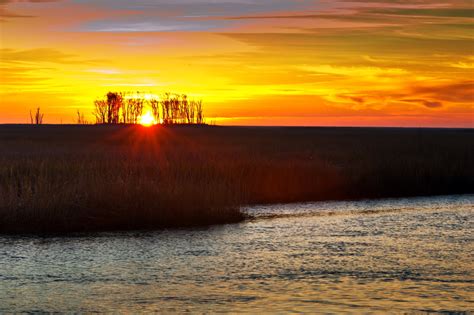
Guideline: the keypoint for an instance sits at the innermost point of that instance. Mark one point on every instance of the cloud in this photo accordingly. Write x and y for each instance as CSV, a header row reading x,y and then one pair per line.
x,y
4,13
432,104
462,65
437,12
405,18
3,2
426,103
252,15
354,98
431,12
458,92
431,3
104,71
432,96
39,55
152,25
180,15
15,78
353,70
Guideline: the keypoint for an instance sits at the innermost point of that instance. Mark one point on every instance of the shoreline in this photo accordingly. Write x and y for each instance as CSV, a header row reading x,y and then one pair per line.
x,y
244,218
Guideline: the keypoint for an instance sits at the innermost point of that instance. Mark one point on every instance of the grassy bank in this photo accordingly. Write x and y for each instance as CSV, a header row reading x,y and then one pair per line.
x,y
80,178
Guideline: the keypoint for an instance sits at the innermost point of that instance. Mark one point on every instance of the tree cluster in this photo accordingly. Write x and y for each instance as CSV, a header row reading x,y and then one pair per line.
x,y
126,108
177,109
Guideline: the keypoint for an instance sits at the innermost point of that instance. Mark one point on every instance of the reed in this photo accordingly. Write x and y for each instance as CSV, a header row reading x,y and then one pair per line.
x,y
92,177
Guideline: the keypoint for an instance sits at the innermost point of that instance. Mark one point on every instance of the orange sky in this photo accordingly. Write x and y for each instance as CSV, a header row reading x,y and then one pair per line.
x,y
253,62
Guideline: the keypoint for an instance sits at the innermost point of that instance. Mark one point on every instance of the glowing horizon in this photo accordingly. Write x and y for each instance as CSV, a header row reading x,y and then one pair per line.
x,y
280,62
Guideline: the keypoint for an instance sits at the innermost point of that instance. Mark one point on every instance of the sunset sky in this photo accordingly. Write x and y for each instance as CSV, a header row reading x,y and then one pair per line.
x,y
253,62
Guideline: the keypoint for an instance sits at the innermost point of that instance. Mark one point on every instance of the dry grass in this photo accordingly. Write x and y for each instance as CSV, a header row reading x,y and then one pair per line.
x,y
82,178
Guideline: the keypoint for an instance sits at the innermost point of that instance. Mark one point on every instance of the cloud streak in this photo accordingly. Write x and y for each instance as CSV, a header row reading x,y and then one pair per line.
x,y
4,13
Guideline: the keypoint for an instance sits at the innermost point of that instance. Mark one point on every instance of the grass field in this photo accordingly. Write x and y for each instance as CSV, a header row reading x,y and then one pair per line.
x,y
84,178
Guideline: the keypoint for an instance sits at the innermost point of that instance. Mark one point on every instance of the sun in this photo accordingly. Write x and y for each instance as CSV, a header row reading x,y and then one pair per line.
x,y
147,119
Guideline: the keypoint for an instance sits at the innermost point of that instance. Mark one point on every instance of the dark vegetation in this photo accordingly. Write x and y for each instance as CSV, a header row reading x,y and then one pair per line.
x,y
37,118
83,178
126,108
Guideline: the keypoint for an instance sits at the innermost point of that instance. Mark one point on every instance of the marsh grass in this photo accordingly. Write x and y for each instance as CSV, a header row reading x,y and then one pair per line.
x,y
88,178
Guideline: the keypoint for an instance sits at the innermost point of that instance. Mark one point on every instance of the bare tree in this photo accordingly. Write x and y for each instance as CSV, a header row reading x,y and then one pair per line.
x,y
155,109
166,106
186,109
114,105
80,119
174,109
126,111
170,109
100,111
136,107
37,119
199,113
192,112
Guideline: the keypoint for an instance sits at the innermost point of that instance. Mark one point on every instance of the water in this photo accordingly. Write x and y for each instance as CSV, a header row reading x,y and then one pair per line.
x,y
397,255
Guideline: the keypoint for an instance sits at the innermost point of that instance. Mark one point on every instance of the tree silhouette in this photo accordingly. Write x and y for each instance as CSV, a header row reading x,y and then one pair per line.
x,y
37,119
169,109
80,118
100,111
114,105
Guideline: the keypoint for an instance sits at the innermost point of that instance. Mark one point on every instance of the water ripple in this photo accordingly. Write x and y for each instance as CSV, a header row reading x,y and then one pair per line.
x,y
393,255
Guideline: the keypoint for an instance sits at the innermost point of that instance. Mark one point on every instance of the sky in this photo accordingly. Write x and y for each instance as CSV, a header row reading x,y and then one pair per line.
x,y
252,62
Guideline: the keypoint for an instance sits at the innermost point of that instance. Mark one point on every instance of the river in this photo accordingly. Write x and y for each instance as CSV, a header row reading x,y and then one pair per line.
x,y
390,255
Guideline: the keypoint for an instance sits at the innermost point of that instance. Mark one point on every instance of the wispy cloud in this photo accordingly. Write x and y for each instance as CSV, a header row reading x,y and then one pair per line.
x,y
104,71
40,55
8,14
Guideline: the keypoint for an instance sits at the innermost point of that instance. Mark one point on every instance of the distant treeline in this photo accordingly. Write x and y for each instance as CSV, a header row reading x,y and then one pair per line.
x,y
127,108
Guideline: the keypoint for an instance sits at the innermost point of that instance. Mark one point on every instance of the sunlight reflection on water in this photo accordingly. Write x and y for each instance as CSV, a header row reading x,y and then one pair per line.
x,y
366,256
